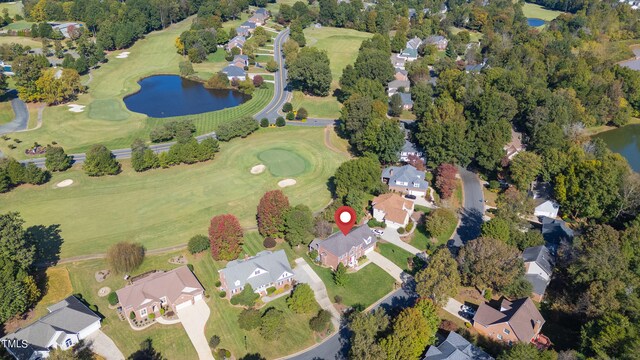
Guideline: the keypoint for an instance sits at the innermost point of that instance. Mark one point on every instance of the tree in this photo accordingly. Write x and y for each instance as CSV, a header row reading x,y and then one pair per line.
x,y
214,341
384,138
287,107
302,114
416,162
271,324
440,221
186,68
322,228
264,122
280,121
249,319
143,158
146,352
440,279
497,228
366,329
395,105
271,66
246,297
272,208
524,168
258,81
125,257
361,174
241,127
321,321
57,86
225,236
100,161
374,64
611,336
446,180
298,223
56,159
489,263
310,72
411,332
526,351
518,288
28,69
340,276
198,244
302,300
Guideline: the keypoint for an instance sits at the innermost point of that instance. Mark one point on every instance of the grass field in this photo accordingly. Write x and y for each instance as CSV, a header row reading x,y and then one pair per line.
x,y
539,12
321,107
474,36
25,41
6,112
13,7
396,254
96,212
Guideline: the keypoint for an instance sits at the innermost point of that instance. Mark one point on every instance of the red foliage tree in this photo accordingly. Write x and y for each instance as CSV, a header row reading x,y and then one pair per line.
x,y
225,235
271,209
446,180
416,162
258,81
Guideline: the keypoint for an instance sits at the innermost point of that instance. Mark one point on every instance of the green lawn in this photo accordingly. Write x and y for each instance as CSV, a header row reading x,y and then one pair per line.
x,y
18,25
364,287
424,241
283,163
321,107
474,36
536,11
397,255
6,112
13,7
165,207
25,41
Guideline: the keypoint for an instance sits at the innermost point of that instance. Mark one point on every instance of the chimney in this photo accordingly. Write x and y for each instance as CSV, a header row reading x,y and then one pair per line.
x,y
391,172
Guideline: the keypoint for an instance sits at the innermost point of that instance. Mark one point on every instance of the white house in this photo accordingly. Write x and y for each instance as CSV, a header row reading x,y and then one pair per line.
x,y
392,209
538,263
548,208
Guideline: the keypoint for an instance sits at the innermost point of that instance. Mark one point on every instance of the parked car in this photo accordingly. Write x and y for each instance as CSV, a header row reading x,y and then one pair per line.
x,y
468,310
409,196
378,232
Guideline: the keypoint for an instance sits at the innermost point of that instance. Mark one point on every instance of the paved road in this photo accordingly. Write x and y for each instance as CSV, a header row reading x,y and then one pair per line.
x,y
281,94
21,118
194,319
305,274
473,208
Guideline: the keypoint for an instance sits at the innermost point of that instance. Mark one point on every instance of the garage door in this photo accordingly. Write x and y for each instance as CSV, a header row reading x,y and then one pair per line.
x,y
198,297
183,305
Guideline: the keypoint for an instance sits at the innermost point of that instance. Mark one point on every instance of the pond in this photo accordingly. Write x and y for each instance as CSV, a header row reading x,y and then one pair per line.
x,y
163,96
624,141
535,22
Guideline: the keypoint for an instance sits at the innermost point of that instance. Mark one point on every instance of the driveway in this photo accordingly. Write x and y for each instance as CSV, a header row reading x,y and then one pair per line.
x,y
473,208
304,274
391,236
453,308
20,120
193,319
102,345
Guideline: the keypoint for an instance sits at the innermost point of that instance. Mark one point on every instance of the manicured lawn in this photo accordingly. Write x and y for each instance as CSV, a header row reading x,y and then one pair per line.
x,y
537,11
423,240
14,8
6,112
165,207
321,107
22,40
364,288
282,162
474,36
19,25
397,255
58,288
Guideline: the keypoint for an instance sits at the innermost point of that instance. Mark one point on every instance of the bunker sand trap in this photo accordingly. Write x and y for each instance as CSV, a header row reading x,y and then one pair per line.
x,y
64,183
286,182
76,108
123,55
258,169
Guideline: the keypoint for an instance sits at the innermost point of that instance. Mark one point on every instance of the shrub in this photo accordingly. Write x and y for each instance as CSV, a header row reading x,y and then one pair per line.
x,y
440,221
246,297
488,294
280,121
249,319
218,283
132,315
271,324
271,290
224,354
271,66
162,311
222,294
290,115
320,322
152,316
214,341
112,298
375,223
287,107
237,128
186,68
302,299
264,122
409,226
269,242
125,257
198,244
340,275
337,299
100,161
494,185
190,267
258,81
313,254
56,159
302,113
401,231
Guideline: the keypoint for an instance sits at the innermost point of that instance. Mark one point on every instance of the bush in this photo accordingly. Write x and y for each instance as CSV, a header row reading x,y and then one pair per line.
x,y
162,311
246,297
152,316
56,159
375,223
171,129
302,113
440,221
494,185
222,294
287,107
93,308
214,341
519,288
409,226
190,267
271,66
237,128
271,324
249,319
340,275
302,299
488,294
125,257
264,122
271,290
337,299
100,161
218,283
280,121
313,254
224,354
320,322
132,315
290,115
269,242
401,231
112,298
258,81
198,244
186,68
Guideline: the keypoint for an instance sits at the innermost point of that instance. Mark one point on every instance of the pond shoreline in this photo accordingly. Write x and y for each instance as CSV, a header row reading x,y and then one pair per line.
x,y
595,130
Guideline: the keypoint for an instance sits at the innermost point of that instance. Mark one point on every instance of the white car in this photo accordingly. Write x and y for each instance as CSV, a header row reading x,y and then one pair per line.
x,y
378,232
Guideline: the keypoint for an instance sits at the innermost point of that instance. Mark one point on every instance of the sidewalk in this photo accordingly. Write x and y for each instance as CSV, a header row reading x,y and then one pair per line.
x,y
305,274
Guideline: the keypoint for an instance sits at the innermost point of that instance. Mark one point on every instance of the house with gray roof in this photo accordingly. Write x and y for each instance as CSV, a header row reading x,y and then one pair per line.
x,y
409,54
538,264
455,347
405,179
262,11
407,103
439,41
554,231
345,249
397,61
414,43
265,270
397,85
250,25
242,31
240,61
67,322
234,72
238,41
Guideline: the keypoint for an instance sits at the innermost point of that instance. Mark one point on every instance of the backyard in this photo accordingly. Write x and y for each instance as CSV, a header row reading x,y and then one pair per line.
x,y
96,212
539,12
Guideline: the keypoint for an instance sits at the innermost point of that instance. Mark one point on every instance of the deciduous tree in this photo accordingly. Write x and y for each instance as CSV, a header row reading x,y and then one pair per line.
x,y
524,168
100,161
125,257
272,208
440,279
56,159
302,300
298,225
446,181
225,235
489,263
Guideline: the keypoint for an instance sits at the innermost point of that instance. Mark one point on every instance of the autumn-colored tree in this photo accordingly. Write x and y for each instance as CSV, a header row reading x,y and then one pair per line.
x,y
416,162
413,329
225,235
271,210
446,180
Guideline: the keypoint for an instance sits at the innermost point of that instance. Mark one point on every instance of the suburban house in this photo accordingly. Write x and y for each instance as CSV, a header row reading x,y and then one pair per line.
x,y
439,41
455,347
234,72
392,209
473,68
397,61
345,249
64,28
547,208
67,322
396,85
237,41
401,74
412,13
266,269
258,18
407,103
538,264
263,12
405,179
514,147
414,43
555,231
249,25
170,290
408,149
241,31
240,61
409,54
515,321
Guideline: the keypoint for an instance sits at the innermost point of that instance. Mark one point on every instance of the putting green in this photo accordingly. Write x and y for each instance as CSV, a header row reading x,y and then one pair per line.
x,y
107,109
281,162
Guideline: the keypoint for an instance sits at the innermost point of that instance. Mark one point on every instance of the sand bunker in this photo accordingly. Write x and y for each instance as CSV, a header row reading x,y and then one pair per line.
x,y
286,182
104,291
64,183
76,108
258,169
123,55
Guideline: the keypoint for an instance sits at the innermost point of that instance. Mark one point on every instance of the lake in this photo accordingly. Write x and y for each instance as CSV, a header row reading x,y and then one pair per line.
x,y
624,141
163,96
535,22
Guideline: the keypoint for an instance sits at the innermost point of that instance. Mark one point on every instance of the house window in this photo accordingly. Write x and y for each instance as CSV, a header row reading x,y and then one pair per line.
x,y
143,312
506,331
416,185
67,342
499,337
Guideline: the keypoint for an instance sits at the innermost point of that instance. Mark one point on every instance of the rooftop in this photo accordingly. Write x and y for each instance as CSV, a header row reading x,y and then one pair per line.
x,y
264,268
339,244
395,207
455,347
522,315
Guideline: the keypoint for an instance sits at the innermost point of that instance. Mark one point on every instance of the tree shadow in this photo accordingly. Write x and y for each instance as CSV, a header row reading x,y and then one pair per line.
x,y
146,352
48,242
254,356
469,229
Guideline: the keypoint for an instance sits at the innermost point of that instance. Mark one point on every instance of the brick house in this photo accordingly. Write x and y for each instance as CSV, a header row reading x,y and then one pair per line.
x,y
515,321
265,270
170,290
345,249
237,41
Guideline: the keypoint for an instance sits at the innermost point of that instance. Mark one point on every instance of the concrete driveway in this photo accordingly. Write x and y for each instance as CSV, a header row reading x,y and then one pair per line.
x,y
193,319
391,236
304,274
453,308
102,345
387,265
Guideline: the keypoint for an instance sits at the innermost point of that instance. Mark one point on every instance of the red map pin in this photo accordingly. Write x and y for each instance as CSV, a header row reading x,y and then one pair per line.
x,y
345,218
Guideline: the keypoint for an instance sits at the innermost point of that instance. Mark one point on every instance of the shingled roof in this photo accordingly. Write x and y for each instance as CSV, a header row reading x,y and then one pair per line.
x,y
455,347
522,315
395,207
541,256
264,268
340,244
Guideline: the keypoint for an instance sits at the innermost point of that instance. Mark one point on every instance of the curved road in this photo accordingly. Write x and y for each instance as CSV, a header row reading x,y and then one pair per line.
x,y
21,118
472,210
281,94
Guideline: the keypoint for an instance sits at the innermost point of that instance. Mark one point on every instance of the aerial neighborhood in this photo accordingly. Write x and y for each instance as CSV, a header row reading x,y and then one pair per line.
x,y
384,180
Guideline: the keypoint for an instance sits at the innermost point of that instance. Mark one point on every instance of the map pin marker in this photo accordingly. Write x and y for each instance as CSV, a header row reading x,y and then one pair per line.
x,y
345,218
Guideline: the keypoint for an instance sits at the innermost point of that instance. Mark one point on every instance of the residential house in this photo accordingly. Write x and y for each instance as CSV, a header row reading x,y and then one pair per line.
x,y
397,61
515,321
244,32
392,209
547,208
265,270
240,61
234,72
237,41
67,322
397,85
170,290
401,74
345,249
473,68
249,25
405,179
408,149
258,19
439,41
538,264
263,12
455,347
414,43
555,231
514,147
64,28
407,103
409,54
